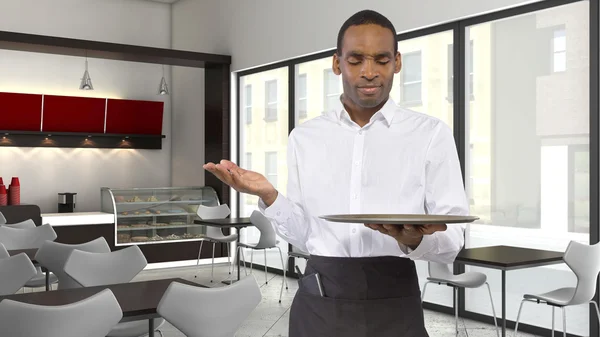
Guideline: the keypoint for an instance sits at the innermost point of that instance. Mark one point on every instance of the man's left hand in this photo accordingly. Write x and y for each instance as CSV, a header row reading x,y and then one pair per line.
x,y
408,235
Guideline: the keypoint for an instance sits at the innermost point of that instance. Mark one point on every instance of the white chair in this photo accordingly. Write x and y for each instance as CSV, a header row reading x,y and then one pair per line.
x,y
439,273
54,255
15,271
2,219
214,234
23,224
121,266
26,238
267,240
207,312
90,317
295,253
584,261
38,280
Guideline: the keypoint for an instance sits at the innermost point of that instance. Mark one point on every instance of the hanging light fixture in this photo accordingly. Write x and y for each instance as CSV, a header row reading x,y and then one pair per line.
x,y
86,81
163,88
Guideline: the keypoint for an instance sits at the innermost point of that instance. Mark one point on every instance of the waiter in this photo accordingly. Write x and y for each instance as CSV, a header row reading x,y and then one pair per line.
x,y
367,156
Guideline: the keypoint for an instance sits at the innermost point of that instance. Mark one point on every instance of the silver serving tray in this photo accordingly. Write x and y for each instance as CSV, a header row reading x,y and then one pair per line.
x,y
400,219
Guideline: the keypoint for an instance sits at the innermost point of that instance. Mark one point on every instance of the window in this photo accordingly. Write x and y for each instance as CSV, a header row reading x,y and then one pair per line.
x,y
301,94
271,100
332,90
410,79
469,61
248,163
559,45
271,167
248,103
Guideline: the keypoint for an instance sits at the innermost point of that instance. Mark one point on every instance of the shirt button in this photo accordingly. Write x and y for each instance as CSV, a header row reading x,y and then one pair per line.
x,y
360,132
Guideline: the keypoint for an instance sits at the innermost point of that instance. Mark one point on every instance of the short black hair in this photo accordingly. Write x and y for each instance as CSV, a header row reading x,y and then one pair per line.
x,y
365,17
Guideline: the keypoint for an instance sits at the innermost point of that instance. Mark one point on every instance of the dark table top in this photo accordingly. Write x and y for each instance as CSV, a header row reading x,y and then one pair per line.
x,y
507,257
225,223
138,300
30,253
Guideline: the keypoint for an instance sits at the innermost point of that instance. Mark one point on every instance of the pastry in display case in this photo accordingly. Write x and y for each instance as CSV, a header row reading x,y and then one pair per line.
x,y
155,215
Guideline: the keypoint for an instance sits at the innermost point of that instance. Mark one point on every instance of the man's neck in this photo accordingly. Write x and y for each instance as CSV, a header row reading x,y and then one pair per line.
x,y
359,115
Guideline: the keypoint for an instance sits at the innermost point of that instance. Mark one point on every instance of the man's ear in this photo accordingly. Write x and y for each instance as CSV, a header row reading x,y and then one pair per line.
x,y
336,64
398,60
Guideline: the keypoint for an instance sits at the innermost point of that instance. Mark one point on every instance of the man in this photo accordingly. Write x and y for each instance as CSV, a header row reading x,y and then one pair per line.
x,y
369,156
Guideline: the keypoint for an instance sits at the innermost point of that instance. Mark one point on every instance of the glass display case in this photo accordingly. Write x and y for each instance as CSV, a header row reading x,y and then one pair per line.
x,y
156,215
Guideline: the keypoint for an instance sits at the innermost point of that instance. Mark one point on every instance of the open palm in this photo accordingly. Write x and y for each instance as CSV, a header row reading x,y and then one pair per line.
x,y
244,181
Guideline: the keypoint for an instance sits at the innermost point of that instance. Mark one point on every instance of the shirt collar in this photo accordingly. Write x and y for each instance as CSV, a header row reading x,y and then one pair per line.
x,y
387,111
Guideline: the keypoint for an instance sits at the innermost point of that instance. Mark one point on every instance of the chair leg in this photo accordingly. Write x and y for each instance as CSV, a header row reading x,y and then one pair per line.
x,y
493,309
244,259
160,332
519,316
424,288
251,260
199,252
266,281
597,310
284,265
564,312
552,321
228,257
212,265
456,308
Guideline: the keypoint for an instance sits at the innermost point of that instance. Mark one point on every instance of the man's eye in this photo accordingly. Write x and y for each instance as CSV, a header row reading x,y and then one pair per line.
x,y
383,61
353,61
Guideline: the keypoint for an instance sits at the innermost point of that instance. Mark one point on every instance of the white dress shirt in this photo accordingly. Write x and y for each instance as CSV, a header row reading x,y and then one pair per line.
x,y
400,162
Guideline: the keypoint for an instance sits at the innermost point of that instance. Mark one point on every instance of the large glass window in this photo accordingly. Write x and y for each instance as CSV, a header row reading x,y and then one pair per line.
x,y
263,144
528,164
318,88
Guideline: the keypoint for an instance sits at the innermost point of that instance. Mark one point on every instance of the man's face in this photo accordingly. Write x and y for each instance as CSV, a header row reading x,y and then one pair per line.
x,y
367,64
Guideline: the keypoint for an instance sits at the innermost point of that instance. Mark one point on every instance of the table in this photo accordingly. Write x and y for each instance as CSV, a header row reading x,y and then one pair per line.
x,y
31,255
507,258
138,300
237,223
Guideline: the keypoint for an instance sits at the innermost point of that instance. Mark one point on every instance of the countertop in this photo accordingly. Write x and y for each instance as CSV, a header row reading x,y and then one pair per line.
x,y
78,218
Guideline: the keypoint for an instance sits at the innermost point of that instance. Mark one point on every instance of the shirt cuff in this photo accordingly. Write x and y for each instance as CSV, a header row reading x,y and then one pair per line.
x,y
279,210
428,243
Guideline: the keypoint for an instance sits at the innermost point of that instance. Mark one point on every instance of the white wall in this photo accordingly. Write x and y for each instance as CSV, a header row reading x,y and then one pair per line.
x,y
44,172
266,31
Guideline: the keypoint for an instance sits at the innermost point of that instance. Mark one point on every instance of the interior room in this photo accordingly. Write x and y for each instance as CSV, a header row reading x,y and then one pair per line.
x,y
463,149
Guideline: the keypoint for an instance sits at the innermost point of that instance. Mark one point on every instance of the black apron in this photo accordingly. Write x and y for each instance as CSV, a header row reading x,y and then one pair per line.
x,y
364,297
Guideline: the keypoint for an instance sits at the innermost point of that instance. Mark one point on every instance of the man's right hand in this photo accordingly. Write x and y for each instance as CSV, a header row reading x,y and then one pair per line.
x,y
243,181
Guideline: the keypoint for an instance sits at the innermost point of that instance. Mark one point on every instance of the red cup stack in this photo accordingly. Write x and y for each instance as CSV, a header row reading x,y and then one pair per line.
x,y
14,192
3,195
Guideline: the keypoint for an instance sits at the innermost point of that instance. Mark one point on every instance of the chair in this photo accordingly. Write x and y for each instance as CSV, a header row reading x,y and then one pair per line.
x,y
93,269
23,224
2,219
214,234
440,273
38,280
15,271
584,261
54,255
90,317
26,238
298,253
206,312
267,240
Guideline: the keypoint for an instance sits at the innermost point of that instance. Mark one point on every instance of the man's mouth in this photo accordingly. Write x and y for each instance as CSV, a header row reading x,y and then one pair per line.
x,y
369,90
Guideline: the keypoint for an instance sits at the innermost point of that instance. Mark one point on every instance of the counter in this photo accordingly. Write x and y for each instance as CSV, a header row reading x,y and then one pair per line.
x,y
78,218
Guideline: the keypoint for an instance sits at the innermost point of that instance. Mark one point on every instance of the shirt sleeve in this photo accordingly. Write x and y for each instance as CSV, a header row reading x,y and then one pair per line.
x,y
287,214
444,194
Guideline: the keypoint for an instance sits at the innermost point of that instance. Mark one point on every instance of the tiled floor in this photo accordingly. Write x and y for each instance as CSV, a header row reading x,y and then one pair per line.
x,y
270,318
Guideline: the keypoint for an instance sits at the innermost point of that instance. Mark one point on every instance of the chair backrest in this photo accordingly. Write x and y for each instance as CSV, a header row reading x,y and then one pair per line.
x,y
94,316
584,261
3,252
268,236
216,212
54,255
208,312
15,271
439,270
2,219
26,238
94,269
23,224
